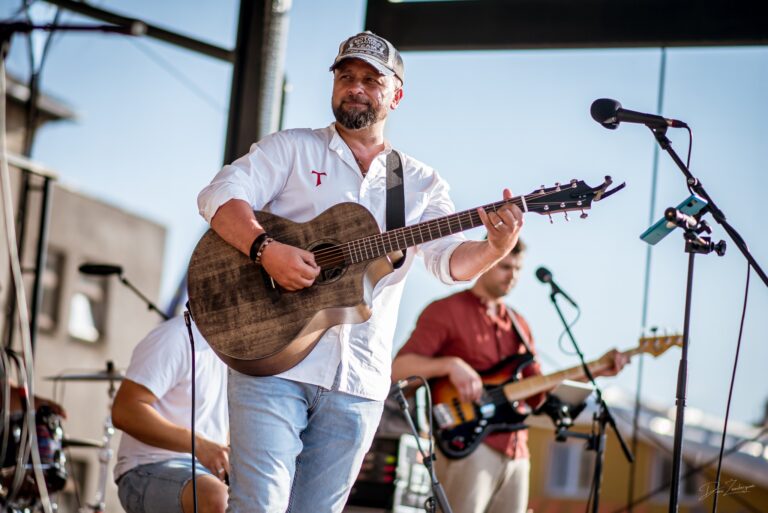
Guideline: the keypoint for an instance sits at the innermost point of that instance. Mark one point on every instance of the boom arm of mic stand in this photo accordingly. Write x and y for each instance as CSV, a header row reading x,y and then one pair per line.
x,y
661,136
150,304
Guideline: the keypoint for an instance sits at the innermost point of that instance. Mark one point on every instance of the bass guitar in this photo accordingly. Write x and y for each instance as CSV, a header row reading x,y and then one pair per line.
x,y
258,328
461,426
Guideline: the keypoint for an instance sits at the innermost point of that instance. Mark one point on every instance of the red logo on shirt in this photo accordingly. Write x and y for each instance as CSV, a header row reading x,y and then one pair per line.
x,y
319,174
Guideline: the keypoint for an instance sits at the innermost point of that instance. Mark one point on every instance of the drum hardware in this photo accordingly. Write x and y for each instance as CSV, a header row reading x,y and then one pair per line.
x,y
69,443
111,375
18,490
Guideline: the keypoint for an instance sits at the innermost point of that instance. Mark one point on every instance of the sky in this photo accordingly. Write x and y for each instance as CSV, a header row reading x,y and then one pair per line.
x,y
152,123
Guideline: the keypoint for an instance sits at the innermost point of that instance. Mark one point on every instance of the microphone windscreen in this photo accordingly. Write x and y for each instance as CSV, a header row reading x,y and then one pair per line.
x,y
100,269
604,112
543,274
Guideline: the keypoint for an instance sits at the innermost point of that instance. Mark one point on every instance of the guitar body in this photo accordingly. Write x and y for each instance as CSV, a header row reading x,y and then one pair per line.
x,y
462,426
254,325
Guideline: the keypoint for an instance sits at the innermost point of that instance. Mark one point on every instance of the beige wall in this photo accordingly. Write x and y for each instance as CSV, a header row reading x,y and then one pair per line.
x,y
87,229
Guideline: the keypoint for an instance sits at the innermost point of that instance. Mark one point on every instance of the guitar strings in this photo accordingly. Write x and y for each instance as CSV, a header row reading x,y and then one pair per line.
x,y
375,245
368,245
333,256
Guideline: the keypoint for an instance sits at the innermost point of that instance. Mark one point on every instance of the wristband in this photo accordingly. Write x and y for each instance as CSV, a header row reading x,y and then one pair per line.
x,y
263,246
256,245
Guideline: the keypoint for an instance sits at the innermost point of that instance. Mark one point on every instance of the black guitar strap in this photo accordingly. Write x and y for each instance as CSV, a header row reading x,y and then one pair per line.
x,y
519,329
395,196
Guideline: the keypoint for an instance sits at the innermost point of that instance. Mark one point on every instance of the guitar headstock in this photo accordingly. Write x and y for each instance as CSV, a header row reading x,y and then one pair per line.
x,y
575,195
658,345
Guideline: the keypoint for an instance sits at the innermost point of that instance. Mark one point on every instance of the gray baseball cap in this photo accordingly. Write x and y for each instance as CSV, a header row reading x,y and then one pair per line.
x,y
373,49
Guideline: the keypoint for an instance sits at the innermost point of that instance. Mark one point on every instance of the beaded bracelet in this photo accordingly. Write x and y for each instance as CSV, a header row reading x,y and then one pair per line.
x,y
256,245
263,246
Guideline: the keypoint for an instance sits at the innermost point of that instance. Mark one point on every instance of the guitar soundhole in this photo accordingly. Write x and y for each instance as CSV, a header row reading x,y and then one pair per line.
x,y
329,256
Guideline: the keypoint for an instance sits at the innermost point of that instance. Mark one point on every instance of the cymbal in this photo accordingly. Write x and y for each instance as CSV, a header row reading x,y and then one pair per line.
x,y
80,442
112,375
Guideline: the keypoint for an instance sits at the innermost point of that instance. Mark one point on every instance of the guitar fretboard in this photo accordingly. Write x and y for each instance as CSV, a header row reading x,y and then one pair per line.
x,y
376,246
572,196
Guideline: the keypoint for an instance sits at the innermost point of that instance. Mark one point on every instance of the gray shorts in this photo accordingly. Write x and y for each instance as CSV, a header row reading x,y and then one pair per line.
x,y
157,487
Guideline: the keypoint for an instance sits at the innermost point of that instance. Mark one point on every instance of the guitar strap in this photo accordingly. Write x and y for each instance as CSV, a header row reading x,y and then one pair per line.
x,y
395,196
519,329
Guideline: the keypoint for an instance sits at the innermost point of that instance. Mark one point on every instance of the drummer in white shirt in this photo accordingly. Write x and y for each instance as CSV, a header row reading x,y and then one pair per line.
x,y
153,409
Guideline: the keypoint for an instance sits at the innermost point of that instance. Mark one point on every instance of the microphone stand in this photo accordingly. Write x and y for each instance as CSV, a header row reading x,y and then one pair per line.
x,y
150,305
603,417
694,243
660,133
428,459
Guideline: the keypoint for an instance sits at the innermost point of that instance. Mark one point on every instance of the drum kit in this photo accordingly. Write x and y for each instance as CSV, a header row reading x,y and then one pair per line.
x,y
18,486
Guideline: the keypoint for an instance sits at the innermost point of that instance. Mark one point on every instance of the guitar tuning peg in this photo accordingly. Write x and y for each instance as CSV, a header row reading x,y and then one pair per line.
x,y
550,218
583,215
567,219
557,186
574,182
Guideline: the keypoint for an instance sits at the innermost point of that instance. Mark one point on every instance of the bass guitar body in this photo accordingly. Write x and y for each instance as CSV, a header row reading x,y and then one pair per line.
x,y
462,426
254,325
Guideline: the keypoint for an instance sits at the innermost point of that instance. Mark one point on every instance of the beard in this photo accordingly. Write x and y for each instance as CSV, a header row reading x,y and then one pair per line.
x,y
355,119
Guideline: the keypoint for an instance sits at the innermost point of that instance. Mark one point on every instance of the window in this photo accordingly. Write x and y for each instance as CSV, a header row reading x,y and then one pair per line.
x,y
571,468
87,309
48,316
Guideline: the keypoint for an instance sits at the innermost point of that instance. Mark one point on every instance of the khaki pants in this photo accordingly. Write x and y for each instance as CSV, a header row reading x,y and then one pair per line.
x,y
486,481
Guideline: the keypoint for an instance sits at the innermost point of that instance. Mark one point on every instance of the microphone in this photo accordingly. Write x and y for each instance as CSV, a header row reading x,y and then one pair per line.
x,y
100,269
545,276
609,113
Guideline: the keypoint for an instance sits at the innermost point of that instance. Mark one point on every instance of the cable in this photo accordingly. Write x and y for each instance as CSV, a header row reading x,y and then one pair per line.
x,y
184,80
730,390
565,331
21,299
6,413
188,322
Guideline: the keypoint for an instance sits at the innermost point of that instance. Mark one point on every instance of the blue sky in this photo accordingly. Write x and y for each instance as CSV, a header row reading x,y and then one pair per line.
x,y
151,130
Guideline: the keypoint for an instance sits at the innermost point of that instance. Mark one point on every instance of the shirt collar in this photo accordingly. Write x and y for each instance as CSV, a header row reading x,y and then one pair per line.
x,y
337,143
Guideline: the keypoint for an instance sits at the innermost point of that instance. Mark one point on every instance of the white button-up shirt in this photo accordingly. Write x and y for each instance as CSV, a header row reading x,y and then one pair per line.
x,y
298,174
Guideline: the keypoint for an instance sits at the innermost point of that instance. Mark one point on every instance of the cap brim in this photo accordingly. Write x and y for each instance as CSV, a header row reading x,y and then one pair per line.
x,y
368,60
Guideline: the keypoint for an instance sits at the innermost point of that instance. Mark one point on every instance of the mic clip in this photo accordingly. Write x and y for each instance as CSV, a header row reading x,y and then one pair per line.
x,y
693,227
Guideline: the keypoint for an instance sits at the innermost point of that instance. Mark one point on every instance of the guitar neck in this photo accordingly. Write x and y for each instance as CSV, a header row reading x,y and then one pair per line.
x,y
375,246
518,390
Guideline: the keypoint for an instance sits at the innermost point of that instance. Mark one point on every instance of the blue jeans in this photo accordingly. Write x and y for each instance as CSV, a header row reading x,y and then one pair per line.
x,y
295,447
157,487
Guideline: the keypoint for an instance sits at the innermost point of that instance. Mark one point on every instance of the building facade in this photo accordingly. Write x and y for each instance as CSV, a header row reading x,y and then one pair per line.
x,y
84,321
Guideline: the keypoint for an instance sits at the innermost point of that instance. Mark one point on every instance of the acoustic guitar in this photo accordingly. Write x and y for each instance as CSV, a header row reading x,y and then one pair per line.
x,y
258,328
461,426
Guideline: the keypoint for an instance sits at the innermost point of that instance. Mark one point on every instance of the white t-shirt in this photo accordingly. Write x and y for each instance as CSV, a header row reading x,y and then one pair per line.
x,y
298,174
161,362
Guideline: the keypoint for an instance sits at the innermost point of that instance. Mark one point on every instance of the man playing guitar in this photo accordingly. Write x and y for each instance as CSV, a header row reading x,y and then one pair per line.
x,y
456,337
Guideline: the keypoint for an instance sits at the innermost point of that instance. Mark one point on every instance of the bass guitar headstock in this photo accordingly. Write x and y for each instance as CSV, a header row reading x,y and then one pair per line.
x,y
659,344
